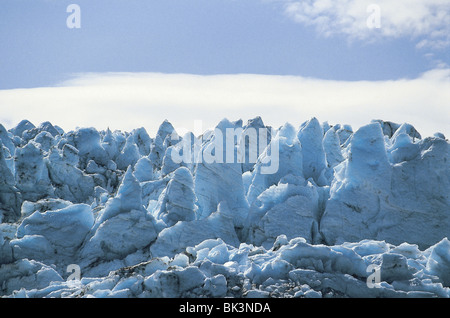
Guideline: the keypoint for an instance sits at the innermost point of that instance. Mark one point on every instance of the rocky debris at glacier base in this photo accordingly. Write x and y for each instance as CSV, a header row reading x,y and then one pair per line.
x,y
90,213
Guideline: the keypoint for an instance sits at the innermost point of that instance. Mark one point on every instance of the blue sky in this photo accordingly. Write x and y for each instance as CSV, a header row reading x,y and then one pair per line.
x,y
196,36
309,39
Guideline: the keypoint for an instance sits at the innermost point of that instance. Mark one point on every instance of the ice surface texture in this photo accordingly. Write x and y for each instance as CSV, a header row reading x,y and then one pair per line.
x,y
362,213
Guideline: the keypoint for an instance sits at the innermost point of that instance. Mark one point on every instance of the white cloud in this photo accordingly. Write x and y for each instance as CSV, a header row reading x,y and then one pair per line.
x,y
131,100
426,21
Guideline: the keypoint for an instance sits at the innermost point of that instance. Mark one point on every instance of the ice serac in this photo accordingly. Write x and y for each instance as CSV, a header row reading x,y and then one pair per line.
x,y
6,140
24,272
48,127
143,169
420,195
332,148
409,130
402,148
290,208
122,227
344,132
169,164
207,226
177,201
256,136
387,127
402,202
438,263
129,154
128,198
88,143
24,125
110,144
359,189
142,140
10,198
217,180
314,162
177,238
45,141
70,183
164,138
31,173
53,235
289,161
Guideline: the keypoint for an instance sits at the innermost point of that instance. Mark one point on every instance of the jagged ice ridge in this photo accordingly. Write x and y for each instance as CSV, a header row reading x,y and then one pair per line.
x,y
138,223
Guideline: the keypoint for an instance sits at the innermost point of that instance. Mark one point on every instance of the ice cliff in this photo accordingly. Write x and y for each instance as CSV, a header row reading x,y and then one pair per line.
x,y
314,211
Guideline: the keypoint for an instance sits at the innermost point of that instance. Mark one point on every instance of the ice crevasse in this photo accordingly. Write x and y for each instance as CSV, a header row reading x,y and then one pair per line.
x,y
139,223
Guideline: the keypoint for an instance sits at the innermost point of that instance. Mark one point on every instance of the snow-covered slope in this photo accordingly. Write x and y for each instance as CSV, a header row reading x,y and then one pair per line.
x,y
90,213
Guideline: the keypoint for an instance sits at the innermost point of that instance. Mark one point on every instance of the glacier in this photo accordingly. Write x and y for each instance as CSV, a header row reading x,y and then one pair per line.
x,y
118,214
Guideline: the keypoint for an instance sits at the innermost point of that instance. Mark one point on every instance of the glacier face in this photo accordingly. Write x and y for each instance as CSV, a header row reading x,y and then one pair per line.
x,y
344,214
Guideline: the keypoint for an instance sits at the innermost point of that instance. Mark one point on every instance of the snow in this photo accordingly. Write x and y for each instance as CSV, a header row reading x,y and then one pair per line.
x,y
342,213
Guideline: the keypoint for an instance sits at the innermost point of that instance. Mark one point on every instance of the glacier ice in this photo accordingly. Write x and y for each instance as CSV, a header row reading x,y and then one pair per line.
x,y
346,213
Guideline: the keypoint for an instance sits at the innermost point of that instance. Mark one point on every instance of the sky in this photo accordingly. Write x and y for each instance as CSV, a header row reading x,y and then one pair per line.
x,y
134,63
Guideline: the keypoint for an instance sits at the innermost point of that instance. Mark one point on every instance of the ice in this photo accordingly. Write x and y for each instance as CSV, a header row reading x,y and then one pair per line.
x,y
35,247
394,267
48,127
27,273
165,136
88,143
43,205
143,170
129,154
45,141
53,232
122,227
128,198
70,183
331,146
142,141
368,158
6,140
175,239
290,162
168,284
324,211
218,181
21,127
314,161
252,147
388,127
168,164
10,197
439,261
403,149
70,155
373,198
344,132
177,202
31,173
408,129
216,286
110,144
291,208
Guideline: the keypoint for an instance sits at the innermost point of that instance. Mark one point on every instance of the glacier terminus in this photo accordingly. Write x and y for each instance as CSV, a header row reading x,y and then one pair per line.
x,y
243,210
